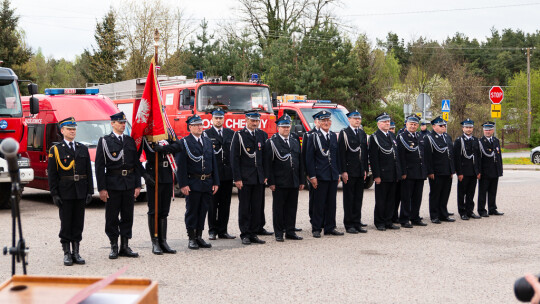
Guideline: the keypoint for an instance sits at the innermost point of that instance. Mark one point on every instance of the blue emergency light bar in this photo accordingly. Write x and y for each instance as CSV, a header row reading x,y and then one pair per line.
x,y
297,100
254,77
55,91
323,101
199,75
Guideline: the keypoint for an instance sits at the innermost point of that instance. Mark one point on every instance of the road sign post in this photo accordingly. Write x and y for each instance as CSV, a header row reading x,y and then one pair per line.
x,y
496,95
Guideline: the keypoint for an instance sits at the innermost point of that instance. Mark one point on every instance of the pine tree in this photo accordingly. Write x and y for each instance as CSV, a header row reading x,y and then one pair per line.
x,y
13,51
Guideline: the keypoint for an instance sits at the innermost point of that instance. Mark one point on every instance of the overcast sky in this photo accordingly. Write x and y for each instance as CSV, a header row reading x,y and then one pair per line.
x,y
64,28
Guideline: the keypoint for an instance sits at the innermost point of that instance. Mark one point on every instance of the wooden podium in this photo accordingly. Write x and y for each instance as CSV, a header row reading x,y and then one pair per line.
x,y
48,290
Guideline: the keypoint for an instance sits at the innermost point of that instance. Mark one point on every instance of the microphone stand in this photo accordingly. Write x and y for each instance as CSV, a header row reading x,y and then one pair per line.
x,y
18,250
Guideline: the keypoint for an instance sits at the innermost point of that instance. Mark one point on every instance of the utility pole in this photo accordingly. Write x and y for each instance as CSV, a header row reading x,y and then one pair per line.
x,y
529,108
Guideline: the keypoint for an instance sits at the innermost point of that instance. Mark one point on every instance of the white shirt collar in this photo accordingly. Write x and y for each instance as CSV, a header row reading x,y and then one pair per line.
x,y
117,135
218,129
284,138
467,136
323,132
67,142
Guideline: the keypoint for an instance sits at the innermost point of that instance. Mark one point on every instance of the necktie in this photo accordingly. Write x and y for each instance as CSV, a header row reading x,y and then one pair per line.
x,y
71,146
199,141
328,137
219,132
356,131
120,138
287,141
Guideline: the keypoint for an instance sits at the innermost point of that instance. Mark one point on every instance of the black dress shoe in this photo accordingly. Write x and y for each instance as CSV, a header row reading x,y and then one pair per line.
x,y
450,213
297,229
436,221
495,212
447,219
333,232
363,225
392,227
484,215
212,236
226,236
264,232
418,223
381,228
464,217
474,216
316,234
246,241
407,225
293,237
352,230
361,230
279,238
256,240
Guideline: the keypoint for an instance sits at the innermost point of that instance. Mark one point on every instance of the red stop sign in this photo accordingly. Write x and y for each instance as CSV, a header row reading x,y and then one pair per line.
x,y
496,94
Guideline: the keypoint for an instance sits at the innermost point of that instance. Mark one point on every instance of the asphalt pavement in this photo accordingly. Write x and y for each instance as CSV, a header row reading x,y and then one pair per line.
x,y
475,261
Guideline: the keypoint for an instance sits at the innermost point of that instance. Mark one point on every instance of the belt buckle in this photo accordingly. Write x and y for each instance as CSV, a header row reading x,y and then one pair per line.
x,y
124,172
76,177
203,176
165,164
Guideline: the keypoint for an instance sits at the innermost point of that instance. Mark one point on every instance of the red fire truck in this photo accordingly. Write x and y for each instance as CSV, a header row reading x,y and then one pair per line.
x,y
12,125
92,113
204,94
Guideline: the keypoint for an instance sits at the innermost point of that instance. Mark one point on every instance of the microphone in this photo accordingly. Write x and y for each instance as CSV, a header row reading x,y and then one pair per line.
x,y
9,147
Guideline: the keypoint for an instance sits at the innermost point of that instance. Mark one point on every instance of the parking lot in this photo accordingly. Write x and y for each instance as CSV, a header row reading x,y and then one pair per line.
x,y
475,261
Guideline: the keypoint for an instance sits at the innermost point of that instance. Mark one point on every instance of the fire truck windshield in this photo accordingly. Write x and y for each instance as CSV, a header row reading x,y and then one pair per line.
x,y
10,101
89,132
339,119
235,98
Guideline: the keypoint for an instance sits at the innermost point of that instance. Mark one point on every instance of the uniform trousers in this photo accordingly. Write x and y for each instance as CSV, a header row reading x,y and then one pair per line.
x,y
197,204
439,192
249,209
120,202
71,220
164,200
487,187
353,194
324,206
385,193
465,195
284,206
411,199
218,214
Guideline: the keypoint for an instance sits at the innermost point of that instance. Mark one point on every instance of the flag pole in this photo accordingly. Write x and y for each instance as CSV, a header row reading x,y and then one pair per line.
x,y
156,154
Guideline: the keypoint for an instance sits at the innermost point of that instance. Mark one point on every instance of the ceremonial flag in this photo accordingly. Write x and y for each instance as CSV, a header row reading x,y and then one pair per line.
x,y
148,119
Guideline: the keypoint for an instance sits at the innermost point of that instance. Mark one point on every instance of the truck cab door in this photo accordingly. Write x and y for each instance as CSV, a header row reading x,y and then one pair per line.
x,y
38,155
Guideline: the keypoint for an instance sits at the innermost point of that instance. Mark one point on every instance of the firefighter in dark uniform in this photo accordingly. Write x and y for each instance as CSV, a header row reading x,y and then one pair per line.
x,y
284,171
439,160
467,163
491,169
323,167
218,214
414,173
386,169
71,186
198,179
423,128
353,156
164,187
119,183
248,175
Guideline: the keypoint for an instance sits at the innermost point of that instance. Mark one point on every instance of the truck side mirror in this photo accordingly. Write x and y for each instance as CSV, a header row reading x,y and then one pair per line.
x,y
274,99
34,104
186,100
32,89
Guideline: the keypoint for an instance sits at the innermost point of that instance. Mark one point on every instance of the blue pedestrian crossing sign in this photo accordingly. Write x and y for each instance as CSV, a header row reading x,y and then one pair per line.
x,y
446,105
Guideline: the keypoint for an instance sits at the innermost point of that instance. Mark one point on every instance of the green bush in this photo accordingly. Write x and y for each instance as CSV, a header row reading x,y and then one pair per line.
x,y
535,139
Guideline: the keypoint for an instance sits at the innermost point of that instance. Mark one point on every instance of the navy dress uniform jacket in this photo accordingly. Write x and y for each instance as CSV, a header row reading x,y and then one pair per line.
x,y
130,161
189,170
69,188
246,169
436,162
354,163
283,173
222,151
165,175
324,168
383,165
411,155
491,166
465,166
